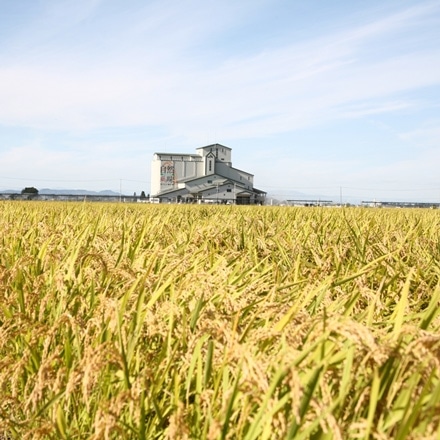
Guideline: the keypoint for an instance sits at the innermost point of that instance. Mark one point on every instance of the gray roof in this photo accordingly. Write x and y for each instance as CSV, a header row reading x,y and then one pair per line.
x,y
213,145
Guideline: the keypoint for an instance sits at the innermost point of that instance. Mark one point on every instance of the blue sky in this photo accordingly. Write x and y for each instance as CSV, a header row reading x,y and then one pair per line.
x,y
319,97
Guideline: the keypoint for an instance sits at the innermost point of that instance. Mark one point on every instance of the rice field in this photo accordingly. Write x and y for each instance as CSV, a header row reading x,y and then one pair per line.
x,y
218,322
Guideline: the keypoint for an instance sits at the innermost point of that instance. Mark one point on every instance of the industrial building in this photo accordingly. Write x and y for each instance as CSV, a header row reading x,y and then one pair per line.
x,y
205,177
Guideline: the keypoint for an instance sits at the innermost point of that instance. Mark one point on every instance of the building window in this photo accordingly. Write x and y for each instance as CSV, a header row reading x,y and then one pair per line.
x,y
229,190
209,181
210,165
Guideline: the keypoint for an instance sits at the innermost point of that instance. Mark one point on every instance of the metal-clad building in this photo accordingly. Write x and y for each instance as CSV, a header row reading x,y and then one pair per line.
x,y
204,177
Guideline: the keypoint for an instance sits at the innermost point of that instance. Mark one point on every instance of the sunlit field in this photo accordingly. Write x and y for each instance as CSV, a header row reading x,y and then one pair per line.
x,y
124,321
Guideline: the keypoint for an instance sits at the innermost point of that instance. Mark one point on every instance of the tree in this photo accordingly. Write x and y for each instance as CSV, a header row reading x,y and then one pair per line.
x,y
30,190
143,195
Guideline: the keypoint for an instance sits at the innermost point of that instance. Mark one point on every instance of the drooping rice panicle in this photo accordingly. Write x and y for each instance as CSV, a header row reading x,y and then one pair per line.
x,y
179,321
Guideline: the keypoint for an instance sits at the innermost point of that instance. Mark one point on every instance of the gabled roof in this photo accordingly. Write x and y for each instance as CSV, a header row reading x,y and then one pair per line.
x,y
241,171
240,186
212,185
208,176
216,176
214,145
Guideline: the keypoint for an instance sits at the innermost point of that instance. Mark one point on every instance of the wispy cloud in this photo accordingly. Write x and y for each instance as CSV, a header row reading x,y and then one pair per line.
x,y
80,67
315,76
61,99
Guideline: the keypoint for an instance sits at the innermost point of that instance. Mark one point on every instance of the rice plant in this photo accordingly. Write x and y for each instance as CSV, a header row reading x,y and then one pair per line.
x,y
218,322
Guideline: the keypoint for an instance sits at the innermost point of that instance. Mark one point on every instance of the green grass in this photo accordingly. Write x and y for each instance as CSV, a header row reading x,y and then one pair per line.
x,y
173,321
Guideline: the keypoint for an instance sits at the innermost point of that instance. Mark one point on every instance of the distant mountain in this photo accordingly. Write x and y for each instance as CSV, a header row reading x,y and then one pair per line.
x,y
74,192
78,192
10,191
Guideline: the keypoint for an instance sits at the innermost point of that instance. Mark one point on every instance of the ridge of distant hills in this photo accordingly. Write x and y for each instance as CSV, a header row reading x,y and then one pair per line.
x,y
74,192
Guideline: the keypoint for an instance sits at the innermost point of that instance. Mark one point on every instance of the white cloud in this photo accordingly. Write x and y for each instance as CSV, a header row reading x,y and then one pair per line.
x,y
84,66
293,86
